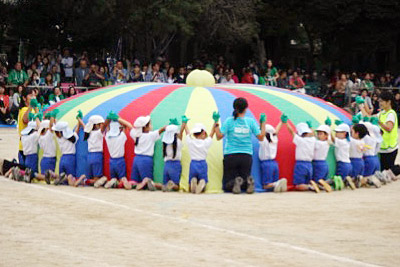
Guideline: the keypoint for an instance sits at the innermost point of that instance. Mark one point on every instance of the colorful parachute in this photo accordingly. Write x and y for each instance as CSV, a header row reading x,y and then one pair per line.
x,y
165,101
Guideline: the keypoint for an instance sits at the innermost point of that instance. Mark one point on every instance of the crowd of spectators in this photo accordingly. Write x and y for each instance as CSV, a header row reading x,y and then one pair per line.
x,y
51,71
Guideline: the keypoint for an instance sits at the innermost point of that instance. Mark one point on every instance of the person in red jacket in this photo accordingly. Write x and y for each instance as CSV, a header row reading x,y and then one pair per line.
x,y
5,116
248,77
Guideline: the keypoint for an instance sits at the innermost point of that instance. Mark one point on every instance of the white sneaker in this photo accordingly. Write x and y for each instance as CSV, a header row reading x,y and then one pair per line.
x,y
374,181
100,182
110,183
277,187
283,184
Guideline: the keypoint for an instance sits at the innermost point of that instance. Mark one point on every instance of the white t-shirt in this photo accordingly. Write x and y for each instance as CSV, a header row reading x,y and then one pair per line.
x,y
116,145
342,150
304,147
67,147
198,148
47,143
268,150
146,143
95,141
370,141
356,148
321,150
30,143
67,62
170,151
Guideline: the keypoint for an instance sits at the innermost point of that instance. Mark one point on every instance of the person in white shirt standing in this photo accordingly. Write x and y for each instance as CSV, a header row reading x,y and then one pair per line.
x,y
145,139
67,63
116,139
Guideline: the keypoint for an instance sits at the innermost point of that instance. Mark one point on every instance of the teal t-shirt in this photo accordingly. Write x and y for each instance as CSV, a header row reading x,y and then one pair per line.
x,y
238,135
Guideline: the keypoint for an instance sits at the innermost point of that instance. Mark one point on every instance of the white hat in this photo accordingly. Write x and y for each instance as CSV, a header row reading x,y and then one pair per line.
x,y
62,126
44,125
342,128
169,134
114,129
302,128
269,129
94,119
198,128
324,128
31,126
138,126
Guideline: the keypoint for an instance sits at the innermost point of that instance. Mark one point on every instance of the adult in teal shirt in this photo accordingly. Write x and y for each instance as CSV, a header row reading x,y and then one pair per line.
x,y
238,149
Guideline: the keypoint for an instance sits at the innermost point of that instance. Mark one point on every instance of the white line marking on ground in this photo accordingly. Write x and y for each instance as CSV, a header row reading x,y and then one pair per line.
x,y
207,226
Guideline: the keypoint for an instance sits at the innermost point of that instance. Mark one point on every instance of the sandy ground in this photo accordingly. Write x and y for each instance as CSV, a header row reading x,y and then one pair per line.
x,y
44,225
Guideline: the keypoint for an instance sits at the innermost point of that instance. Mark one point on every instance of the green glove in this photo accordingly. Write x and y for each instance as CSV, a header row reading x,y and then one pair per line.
x,y
41,99
284,118
54,113
355,120
216,116
375,120
309,124
365,119
47,116
338,122
33,103
173,121
328,121
185,119
31,116
112,116
79,115
263,118
359,116
360,100
39,116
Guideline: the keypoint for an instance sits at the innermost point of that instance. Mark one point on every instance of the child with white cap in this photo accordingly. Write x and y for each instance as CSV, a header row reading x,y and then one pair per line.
x,y
116,139
172,152
305,146
357,149
342,153
198,146
67,139
48,145
145,139
94,130
267,154
320,166
30,140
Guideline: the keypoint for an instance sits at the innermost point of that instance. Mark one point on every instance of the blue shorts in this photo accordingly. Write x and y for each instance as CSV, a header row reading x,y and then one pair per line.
x,y
198,169
117,168
269,171
142,167
31,162
21,157
47,164
68,164
370,165
172,171
94,165
303,172
378,162
357,165
343,169
320,170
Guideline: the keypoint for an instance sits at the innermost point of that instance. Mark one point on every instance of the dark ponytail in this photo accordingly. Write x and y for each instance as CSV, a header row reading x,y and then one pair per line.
x,y
174,147
239,106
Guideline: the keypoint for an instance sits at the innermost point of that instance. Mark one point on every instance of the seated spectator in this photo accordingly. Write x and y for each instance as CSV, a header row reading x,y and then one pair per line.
x,y
33,69
16,99
45,68
3,74
18,76
235,78
367,83
55,75
136,75
5,114
181,77
248,76
103,70
219,74
145,70
283,80
93,77
295,82
119,74
171,77
56,96
81,72
375,103
35,79
48,81
155,75
369,108
67,65
71,91
396,105
227,78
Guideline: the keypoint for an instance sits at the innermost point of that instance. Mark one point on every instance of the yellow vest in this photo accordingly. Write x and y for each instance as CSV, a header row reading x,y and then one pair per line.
x,y
389,138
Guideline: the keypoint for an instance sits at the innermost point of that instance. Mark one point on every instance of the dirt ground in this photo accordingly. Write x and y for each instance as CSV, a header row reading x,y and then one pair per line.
x,y
43,225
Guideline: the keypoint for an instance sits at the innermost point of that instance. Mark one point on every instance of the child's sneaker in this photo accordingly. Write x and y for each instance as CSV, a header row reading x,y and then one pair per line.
x,y
380,176
337,181
100,182
314,187
193,184
325,185
27,176
389,175
250,185
374,181
200,186
111,183
150,185
237,186
47,176
277,187
283,185
61,179
17,174
350,183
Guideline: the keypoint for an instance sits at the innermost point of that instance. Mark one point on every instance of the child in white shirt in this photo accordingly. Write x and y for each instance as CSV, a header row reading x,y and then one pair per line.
x,y
342,153
320,166
30,141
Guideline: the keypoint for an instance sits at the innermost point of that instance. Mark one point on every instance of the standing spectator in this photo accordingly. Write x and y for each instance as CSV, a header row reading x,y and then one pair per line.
x,y
33,69
5,116
235,78
367,83
283,80
55,75
295,82
45,67
16,99
119,74
227,78
136,75
181,77
171,77
103,70
94,77
18,76
271,74
67,64
248,76
81,72
155,75
375,103
39,63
